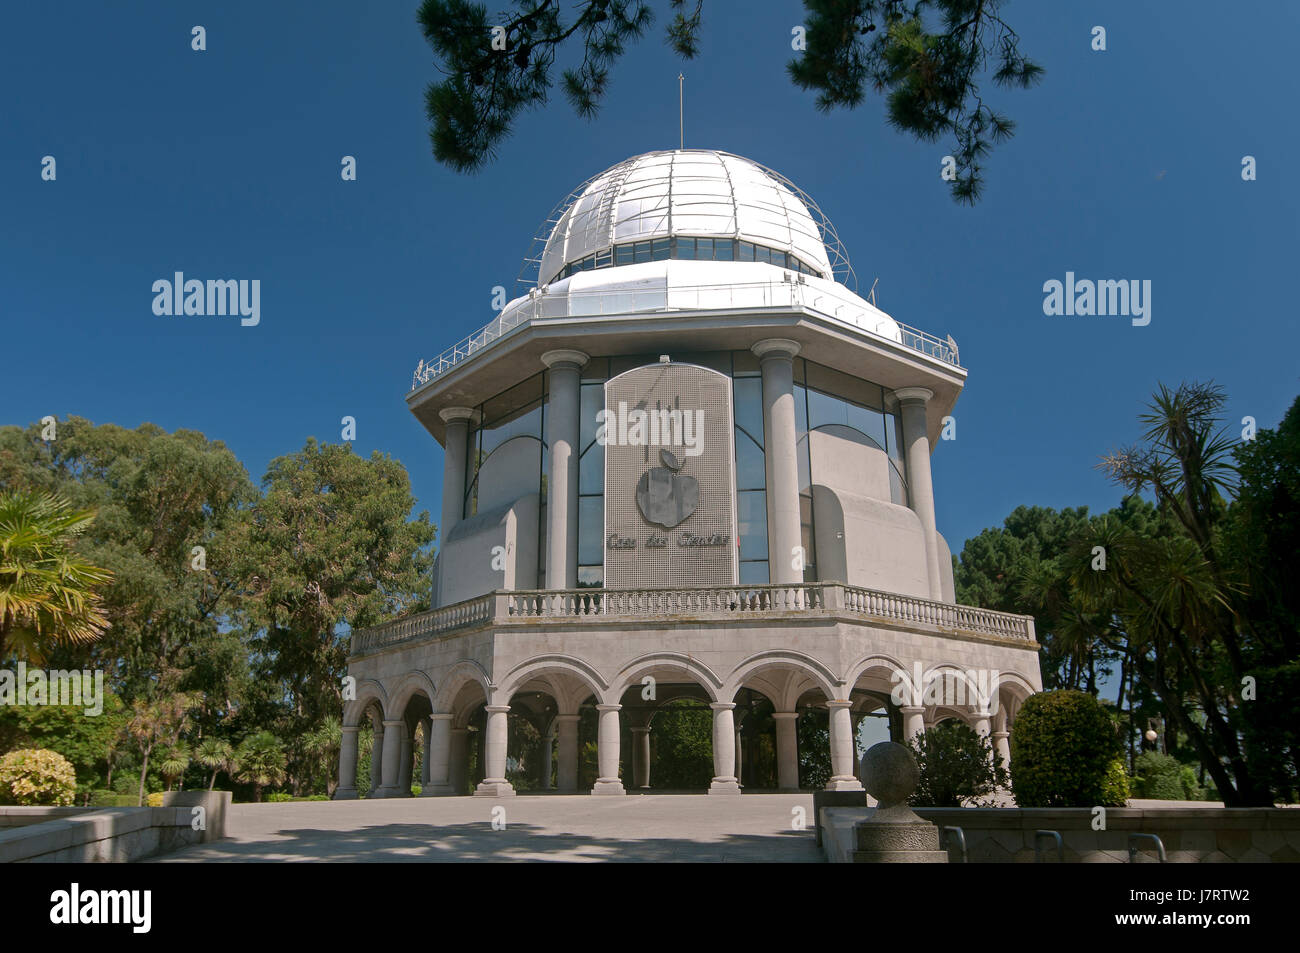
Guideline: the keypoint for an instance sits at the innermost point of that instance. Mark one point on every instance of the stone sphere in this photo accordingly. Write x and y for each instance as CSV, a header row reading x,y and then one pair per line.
x,y
889,773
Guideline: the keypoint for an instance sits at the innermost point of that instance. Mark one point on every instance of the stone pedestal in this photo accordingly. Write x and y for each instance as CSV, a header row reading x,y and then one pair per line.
x,y
892,833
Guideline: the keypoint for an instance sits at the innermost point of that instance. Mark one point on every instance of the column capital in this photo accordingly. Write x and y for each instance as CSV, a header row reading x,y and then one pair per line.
x,y
912,709
785,715
454,414
441,716
722,706
639,730
564,356
352,728
999,735
836,703
568,719
394,722
775,348
496,709
923,394
609,708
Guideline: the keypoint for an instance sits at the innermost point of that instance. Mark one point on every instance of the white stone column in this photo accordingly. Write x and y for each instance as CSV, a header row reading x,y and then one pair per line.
x,y
1001,736
641,756
455,450
438,752
377,763
913,722
458,760
347,789
920,488
780,446
424,755
566,772
563,433
393,731
607,751
547,743
841,725
724,749
787,750
496,733
405,763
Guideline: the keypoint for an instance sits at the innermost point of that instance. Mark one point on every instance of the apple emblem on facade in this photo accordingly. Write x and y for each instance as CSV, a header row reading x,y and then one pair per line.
x,y
664,496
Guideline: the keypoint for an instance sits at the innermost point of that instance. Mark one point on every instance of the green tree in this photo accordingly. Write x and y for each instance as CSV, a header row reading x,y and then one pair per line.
x,y
328,548
216,755
1064,749
49,594
157,723
260,761
927,56
956,764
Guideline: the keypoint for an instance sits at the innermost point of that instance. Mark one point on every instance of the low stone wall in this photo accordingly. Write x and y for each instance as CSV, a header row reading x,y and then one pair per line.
x,y
110,834
1006,835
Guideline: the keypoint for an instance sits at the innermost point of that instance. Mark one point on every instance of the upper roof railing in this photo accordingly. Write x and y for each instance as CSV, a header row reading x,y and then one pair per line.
x,y
538,305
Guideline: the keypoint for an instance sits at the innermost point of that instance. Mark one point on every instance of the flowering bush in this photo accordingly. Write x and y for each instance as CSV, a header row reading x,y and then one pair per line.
x,y
37,777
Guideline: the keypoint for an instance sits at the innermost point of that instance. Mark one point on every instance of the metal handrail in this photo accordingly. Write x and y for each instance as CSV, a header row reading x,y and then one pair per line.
x,y
1060,845
961,840
538,305
1133,849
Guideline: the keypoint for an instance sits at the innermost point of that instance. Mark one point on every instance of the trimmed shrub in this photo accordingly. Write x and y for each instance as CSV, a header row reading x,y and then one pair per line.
x,y
1063,750
279,797
1164,777
1115,790
33,777
152,800
956,765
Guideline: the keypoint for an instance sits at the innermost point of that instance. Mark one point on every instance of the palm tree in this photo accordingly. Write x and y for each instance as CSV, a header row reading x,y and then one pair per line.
x,y
48,594
260,761
173,763
216,754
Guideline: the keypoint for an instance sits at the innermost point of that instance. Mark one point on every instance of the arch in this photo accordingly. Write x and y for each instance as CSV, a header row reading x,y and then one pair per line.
x,y
368,691
864,665
455,678
552,664
632,672
406,688
822,676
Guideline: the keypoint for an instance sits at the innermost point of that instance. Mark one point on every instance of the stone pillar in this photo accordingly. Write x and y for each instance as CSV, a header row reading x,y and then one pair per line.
x,y
456,447
405,763
1001,736
641,756
563,433
841,725
495,735
544,773
787,750
981,723
438,752
458,760
393,731
566,772
780,442
607,744
424,757
740,755
376,763
913,722
920,488
724,749
347,789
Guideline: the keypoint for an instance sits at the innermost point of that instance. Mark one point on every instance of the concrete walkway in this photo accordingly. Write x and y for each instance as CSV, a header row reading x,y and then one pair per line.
x,y
749,828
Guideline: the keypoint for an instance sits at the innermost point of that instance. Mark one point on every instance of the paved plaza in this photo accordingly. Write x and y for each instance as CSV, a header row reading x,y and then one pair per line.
x,y
755,828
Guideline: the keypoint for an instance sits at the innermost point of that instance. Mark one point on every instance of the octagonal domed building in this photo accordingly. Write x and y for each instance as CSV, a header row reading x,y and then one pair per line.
x,y
686,466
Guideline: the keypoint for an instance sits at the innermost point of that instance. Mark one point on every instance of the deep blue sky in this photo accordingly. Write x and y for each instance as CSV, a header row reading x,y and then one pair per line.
x,y
225,163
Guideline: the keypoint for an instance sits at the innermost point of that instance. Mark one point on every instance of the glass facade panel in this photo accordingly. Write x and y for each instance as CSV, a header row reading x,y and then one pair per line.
x,y
591,577
591,530
751,509
685,248
591,470
762,254
623,255
754,573
660,249
724,249
748,396
704,249
808,541
746,252
750,473
641,252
